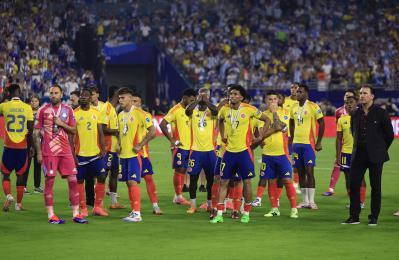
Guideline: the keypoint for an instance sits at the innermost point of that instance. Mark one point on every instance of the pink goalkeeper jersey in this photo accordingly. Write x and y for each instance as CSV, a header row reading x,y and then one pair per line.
x,y
54,144
340,112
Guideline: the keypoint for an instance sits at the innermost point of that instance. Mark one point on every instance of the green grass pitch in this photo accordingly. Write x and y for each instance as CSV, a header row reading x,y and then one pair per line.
x,y
175,235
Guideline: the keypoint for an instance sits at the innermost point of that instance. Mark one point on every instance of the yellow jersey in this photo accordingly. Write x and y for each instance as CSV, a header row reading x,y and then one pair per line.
x,y
129,124
143,130
181,131
203,125
99,107
87,136
305,122
344,126
238,126
16,115
277,143
288,103
108,112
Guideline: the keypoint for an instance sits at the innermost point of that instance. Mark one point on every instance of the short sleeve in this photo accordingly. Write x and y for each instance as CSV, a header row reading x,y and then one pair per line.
x,y
39,119
113,119
339,125
29,113
256,113
71,117
221,113
148,120
170,116
317,111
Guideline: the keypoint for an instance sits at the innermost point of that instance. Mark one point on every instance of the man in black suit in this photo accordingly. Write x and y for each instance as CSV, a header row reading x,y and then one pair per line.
x,y
372,135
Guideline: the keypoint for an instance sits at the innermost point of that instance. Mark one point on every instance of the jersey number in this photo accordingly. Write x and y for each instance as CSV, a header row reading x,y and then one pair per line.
x,y
20,120
88,125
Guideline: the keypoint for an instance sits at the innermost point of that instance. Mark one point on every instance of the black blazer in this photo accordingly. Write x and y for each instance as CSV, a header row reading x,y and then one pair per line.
x,y
379,135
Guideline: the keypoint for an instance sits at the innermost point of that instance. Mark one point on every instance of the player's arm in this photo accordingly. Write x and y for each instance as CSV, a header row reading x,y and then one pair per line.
x,y
292,131
223,102
101,139
212,107
37,143
70,129
320,133
151,132
338,146
190,108
109,131
267,129
29,124
164,128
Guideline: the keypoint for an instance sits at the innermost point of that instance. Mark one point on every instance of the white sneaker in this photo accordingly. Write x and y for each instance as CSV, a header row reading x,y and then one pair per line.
x,y
396,213
133,217
313,206
362,205
18,207
257,202
297,189
8,202
303,205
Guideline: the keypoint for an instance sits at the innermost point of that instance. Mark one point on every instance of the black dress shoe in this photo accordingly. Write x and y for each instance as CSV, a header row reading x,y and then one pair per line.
x,y
185,188
351,221
372,221
202,188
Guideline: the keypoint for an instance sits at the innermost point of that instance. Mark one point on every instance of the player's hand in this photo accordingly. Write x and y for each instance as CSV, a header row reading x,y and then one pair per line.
x,y
318,147
75,158
31,152
336,163
137,148
224,140
175,143
103,153
273,107
57,121
39,158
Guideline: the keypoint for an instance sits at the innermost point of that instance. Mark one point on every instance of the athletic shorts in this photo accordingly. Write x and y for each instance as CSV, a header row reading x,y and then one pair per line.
x,y
216,171
111,161
130,169
146,167
94,166
14,159
65,165
346,162
237,166
201,160
180,158
304,155
275,167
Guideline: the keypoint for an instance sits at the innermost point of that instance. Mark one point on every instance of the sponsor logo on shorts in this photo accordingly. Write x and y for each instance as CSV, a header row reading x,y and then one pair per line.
x,y
250,174
178,162
102,170
310,161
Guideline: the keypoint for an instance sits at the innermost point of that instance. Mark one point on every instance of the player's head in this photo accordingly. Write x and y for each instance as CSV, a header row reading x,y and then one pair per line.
x,y
205,93
14,90
302,92
189,95
281,99
351,104
125,97
85,97
294,88
34,101
237,94
95,93
136,99
349,93
272,98
366,94
74,99
55,94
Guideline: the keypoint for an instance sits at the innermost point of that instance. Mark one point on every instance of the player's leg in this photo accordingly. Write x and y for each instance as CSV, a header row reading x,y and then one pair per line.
x,y
237,198
146,174
195,165
98,167
284,174
333,180
20,170
202,187
131,174
271,177
180,164
310,162
81,176
295,171
113,182
37,171
7,166
247,172
299,165
209,168
261,185
26,175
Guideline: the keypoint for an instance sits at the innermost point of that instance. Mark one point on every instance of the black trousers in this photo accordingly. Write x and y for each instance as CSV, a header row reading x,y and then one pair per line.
x,y
89,187
359,165
37,172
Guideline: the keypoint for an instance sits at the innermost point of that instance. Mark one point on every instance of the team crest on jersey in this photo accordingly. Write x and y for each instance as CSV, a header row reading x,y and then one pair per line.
x,y
306,112
285,117
243,116
81,118
64,115
147,119
94,117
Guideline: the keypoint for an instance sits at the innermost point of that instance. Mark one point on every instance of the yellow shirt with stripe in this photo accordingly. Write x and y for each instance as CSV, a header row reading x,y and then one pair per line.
x,y
143,130
87,137
344,126
111,120
203,133
277,143
305,122
16,115
288,103
133,119
182,130
239,135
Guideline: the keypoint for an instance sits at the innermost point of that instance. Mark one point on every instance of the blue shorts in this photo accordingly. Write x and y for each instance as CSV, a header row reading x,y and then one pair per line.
x,y
112,161
96,167
289,149
216,170
201,160
180,158
146,167
14,159
275,167
304,155
237,166
346,162
130,169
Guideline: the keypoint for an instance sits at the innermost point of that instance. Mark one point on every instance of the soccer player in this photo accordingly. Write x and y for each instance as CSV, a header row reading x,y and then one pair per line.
x,y
203,116
55,126
303,117
146,165
18,121
90,151
237,163
288,103
275,157
130,120
95,102
180,140
344,144
74,99
336,170
111,134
